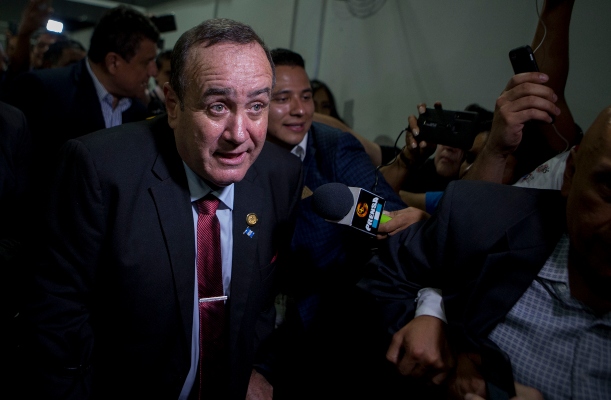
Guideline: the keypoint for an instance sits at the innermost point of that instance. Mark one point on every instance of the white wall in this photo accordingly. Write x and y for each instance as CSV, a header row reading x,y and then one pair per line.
x,y
413,51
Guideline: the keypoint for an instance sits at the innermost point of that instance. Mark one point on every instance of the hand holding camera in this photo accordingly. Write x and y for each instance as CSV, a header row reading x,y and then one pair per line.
x,y
450,128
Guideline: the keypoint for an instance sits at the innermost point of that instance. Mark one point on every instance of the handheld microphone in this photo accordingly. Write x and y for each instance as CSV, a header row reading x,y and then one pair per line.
x,y
352,206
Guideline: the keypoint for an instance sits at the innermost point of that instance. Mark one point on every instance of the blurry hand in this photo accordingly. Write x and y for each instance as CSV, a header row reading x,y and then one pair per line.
x,y
414,152
420,350
35,15
259,388
401,219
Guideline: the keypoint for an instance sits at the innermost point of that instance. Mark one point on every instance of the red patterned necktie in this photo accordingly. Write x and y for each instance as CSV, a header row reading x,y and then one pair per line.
x,y
210,292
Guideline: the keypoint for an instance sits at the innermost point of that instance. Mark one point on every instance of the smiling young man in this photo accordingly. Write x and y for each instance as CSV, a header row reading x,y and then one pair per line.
x,y
118,310
327,257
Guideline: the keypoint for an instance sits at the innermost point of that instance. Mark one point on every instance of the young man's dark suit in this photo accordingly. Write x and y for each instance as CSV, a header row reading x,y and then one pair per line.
x,y
61,104
121,233
329,260
483,247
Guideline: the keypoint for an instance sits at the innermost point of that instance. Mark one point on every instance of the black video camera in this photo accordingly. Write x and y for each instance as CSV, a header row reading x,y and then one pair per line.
x,y
450,128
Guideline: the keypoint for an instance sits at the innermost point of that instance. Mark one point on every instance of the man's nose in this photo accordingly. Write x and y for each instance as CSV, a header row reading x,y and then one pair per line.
x,y
297,106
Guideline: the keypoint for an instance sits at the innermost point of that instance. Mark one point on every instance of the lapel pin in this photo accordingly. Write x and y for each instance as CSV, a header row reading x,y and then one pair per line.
x,y
251,219
249,232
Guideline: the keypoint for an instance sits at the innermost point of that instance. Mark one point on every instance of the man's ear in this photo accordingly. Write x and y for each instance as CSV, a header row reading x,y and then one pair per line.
x,y
172,104
112,61
569,173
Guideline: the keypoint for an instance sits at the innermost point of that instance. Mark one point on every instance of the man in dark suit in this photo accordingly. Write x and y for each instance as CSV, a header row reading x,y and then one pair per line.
x,y
100,91
15,150
114,310
328,258
523,272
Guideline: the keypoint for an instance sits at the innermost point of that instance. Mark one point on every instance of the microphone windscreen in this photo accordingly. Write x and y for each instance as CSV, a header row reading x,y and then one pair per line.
x,y
332,201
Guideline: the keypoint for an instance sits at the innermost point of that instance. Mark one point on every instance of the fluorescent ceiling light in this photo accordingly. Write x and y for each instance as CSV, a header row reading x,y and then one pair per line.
x,y
55,26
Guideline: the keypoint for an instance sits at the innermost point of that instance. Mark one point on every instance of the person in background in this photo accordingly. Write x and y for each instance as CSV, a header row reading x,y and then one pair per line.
x,y
41,40
31,39
154,94
16,222
63,53
324,102
327,258
117,303
524,273
100,91
325,111
164,67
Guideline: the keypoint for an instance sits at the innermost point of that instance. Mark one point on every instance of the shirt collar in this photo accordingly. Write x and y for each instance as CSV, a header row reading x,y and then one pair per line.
x,y
300,149
103,95
198,188
556,267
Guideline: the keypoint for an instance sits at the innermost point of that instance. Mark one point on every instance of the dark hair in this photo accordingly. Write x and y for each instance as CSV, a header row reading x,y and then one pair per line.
x,y
318,85
55,51
161,57
287,57
120,30
210,32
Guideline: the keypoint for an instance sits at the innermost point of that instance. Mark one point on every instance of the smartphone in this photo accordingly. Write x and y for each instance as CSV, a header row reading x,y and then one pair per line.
x,y
523,60
450,128
497,372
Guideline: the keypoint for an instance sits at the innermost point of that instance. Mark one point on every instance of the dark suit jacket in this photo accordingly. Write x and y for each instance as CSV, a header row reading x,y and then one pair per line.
x,y
327,253
483,248
114,308
15,153
61,104
328,261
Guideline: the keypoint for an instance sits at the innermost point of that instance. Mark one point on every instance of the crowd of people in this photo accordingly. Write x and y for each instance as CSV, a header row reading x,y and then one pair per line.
x,y
159,238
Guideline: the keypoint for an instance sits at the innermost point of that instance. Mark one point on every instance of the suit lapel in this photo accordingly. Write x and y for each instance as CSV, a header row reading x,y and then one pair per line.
x,y
86,103
248,198
509,272
173,203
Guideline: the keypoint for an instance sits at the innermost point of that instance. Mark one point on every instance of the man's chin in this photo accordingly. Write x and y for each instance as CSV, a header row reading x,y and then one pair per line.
x,y
226,176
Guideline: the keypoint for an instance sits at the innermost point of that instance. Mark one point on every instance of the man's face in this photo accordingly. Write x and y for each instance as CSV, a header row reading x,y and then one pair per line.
x,y
292,108
163,75
222,128
448,160
130,79
38,49
588,190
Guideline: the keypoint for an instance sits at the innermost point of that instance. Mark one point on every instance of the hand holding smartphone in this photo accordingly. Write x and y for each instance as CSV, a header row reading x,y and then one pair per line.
x,y
523,60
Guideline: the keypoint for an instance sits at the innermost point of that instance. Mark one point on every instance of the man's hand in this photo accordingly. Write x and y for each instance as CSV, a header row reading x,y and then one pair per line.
x,y
259,388
401,219
35,15
416,152
525,98
466,378
420,350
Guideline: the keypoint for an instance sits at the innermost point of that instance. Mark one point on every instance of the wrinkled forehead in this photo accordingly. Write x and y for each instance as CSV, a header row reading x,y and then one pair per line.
x,y
228,60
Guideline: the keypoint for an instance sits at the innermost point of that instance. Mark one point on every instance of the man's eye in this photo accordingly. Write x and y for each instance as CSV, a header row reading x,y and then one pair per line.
x,y
257,107
281,99
217,108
